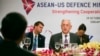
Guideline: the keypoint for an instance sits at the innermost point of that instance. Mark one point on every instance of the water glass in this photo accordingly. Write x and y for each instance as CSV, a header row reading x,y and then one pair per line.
x,y
27,42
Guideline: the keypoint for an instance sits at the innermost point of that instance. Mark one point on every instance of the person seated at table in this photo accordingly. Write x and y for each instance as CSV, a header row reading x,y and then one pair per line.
x,y
37,39
84,38
65,36
13,30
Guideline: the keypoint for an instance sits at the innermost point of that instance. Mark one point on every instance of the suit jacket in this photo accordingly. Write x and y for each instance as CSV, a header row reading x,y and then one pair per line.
x,y
10,48
41,40
85,39
1,40
57,37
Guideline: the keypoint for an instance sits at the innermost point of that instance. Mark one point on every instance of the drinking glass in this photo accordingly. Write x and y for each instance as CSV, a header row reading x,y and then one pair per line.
x,y
65,47
27,42
73,45
57,45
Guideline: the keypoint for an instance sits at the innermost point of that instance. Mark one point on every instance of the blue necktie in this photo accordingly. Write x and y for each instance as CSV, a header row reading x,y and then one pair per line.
x,y
34,43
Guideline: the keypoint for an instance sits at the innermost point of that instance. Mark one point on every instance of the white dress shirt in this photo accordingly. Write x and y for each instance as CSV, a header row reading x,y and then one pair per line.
x,y
63,37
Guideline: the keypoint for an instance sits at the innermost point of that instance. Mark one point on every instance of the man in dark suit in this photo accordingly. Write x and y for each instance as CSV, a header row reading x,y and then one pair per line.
x,y
40,39
84,38
13,30
64,36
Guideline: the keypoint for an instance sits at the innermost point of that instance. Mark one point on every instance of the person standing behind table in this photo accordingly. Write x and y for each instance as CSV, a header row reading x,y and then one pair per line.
x,y
40,39
13,30
71,37
84,38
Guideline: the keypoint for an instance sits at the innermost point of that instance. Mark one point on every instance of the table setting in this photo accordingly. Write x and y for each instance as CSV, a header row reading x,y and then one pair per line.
x,y
68,49
87,49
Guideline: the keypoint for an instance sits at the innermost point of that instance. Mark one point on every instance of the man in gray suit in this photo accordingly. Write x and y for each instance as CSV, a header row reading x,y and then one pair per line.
x,y
65,34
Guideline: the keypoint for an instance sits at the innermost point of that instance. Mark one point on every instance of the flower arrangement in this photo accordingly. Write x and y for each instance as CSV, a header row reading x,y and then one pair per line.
x,y
91,48
51,53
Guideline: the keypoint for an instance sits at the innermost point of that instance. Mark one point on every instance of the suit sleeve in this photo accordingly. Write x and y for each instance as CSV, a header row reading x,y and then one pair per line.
x,y
44,41
78,40
87,38
51,43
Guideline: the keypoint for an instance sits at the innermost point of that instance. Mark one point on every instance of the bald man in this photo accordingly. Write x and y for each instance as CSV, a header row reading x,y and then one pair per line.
x,y
65,34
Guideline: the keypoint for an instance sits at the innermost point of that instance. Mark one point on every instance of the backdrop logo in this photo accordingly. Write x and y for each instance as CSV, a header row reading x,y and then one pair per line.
x,y
28,5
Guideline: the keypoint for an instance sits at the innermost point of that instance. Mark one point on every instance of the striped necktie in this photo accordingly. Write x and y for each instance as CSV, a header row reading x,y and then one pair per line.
x,y
66,41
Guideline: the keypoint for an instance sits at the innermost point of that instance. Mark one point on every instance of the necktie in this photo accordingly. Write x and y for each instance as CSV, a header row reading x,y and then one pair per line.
x,y
34,43
66,41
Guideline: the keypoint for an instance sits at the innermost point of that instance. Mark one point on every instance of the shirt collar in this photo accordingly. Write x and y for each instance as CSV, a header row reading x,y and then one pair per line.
x,y
65,34
34,34
68,37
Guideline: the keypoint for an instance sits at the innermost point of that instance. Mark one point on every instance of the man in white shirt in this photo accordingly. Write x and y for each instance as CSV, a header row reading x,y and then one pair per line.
x,y
64,35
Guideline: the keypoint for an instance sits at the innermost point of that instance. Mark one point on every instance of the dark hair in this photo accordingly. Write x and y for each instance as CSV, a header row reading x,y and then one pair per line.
x,y
13,26
82,27
38,22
